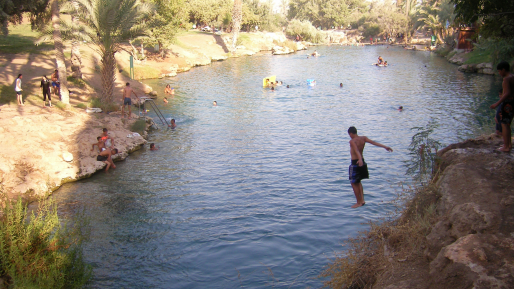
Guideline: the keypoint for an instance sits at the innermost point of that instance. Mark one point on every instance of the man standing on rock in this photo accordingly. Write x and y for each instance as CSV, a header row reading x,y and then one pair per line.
x,y
127,91
358,169
507,110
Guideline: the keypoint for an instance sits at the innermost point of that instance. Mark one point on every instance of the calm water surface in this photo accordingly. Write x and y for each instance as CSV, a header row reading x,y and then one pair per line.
x,y
254,193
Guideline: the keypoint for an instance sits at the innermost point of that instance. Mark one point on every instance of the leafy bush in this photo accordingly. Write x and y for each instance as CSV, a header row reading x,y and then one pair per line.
x,y
36,251
498,48
139,126
305,30
371,30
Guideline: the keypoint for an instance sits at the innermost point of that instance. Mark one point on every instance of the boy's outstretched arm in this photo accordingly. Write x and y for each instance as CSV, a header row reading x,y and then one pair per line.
x,y
379,145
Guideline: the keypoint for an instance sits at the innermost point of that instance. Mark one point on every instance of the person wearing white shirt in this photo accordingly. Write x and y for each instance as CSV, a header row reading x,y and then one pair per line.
x,y
17,88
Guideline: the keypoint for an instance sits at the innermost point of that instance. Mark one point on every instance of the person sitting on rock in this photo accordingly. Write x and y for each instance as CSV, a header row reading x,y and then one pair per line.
x,y
107,139
106,157
100,144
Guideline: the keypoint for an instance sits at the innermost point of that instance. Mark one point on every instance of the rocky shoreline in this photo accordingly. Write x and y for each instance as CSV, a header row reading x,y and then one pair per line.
x,y
459,58
471,244
43,148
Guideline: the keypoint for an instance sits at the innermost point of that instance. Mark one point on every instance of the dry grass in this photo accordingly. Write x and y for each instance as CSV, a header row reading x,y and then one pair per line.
x,y
387,242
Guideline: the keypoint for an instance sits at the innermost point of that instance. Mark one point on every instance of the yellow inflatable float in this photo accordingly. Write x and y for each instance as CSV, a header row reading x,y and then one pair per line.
x,y
268,80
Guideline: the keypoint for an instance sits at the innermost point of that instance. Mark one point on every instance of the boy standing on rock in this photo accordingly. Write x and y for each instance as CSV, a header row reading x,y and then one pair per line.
x,y
127,92
358,169
507,102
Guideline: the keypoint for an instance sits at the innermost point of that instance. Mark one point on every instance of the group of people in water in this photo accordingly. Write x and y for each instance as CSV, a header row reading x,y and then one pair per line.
x,y
168,90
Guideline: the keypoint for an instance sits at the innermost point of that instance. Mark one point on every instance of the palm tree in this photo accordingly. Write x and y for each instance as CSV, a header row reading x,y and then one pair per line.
x,y
106,24
237,17
59,54
76,59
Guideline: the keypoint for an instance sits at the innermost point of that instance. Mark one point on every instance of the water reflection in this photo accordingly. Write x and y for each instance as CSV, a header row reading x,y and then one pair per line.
x,y
259,183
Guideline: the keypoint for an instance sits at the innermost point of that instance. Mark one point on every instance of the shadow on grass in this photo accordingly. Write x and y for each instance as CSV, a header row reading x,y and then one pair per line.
x,y
21,44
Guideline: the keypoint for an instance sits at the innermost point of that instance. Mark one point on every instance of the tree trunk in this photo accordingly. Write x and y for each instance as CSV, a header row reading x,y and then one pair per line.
x,y
76,59
59,54
108,76
142,52
237,17
439,36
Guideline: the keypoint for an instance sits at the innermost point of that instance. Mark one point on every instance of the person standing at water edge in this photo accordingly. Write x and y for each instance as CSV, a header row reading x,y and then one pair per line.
x,y
17,88
127,91
507,102
358,169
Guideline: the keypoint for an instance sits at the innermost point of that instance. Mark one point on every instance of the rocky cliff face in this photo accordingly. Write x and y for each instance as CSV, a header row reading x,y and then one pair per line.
x,y
472,243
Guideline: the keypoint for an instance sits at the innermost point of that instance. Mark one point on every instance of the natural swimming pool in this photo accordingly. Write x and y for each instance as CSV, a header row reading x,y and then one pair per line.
x,y
255,193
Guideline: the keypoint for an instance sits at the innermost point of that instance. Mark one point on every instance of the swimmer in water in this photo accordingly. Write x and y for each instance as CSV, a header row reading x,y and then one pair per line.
x,y
272,88
165,100
400,108
288,86
214,103
341,84
173,125
167,90
152,147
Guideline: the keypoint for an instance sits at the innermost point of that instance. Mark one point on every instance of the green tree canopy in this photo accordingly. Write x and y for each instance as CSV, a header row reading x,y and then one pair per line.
x,y
12,10
497,16
325,13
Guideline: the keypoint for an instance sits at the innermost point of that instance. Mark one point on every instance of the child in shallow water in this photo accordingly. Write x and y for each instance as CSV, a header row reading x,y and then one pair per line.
x,y
153,147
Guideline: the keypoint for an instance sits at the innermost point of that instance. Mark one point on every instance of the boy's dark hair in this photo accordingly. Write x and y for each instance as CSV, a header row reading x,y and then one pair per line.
x,y
99,138
19,75
152,145
503,65
115,151
104,129
352,129
127,84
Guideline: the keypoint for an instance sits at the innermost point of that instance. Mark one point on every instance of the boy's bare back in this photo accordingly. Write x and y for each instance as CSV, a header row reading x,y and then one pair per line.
x,y
360,142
